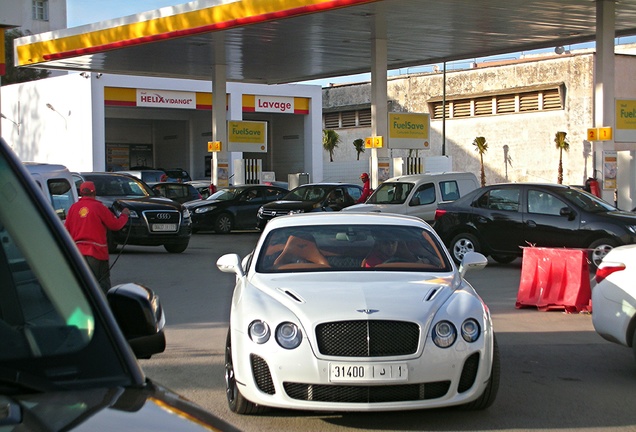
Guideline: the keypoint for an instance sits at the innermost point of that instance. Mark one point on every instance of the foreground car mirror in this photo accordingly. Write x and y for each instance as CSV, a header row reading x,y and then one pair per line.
x,y
472,261
231,263
140,318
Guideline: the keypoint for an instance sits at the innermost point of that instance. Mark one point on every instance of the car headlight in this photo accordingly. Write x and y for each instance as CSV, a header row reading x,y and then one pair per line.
x,y
260,211
295,211
133,213
206,209
288,335
259,331
444,334
470,330
632,228
186,214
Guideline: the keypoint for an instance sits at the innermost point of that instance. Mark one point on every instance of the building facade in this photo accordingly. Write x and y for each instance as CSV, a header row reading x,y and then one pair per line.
x,y
517,105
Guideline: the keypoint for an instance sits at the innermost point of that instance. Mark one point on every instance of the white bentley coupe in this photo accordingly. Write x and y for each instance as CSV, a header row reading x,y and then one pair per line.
x,y
356,312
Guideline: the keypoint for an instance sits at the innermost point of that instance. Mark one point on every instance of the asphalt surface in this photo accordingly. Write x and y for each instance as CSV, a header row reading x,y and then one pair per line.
x,y
556,372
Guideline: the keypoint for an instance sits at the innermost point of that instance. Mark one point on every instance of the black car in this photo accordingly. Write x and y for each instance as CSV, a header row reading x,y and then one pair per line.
x,y
68,353
179,192
500,220
153,221
232,208
311,198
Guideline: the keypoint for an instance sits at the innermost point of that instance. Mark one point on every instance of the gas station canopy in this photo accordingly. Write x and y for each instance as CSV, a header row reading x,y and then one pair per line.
x,y
282,41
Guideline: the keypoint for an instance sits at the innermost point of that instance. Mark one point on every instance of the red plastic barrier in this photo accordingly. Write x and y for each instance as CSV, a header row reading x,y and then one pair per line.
x,y
555,279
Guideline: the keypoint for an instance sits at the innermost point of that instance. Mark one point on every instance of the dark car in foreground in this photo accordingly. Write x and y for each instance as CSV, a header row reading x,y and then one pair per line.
x,y
68,352
232,208
500,220
154,220
313,197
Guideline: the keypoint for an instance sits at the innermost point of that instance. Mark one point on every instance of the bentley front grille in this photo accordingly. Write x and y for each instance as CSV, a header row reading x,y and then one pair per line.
x,y
366,394
368,338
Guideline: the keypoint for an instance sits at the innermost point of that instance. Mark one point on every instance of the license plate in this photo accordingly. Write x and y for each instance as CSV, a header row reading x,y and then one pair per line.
x,y
163,227
351,372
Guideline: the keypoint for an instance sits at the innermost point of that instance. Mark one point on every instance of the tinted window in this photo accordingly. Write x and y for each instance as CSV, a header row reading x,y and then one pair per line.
x,y
500,199
425,193
351,248
540,202
391,193
61,195
450,190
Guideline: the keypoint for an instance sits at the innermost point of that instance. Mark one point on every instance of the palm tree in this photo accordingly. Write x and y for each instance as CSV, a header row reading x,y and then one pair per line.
x,y
330,140
482,147
359,145
562,144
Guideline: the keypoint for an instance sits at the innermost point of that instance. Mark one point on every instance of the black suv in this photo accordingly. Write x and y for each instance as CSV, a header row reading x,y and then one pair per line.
x,y
154,220
67,351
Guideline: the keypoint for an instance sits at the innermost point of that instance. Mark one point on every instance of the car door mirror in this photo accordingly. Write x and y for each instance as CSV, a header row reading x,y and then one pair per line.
x,y
415,201
567,211
140,318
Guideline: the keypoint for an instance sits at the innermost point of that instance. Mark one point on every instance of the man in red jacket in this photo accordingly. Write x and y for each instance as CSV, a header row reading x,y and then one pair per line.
x,y
88,221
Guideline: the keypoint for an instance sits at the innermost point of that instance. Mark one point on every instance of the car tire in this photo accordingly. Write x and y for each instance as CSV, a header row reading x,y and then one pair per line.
x,y
223,223
492,388
463,243
598,249
504,259
176,247
235,400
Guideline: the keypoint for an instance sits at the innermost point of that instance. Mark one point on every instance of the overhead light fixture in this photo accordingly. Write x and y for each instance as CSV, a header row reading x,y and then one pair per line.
x,y
559,50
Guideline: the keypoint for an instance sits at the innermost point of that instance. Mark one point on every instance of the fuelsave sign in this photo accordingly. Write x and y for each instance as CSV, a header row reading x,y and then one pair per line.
x,y
247,136
409,131
625,120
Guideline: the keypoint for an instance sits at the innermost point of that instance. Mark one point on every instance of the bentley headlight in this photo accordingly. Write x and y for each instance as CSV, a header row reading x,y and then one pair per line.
x,y
288,335
206,209
444,334
470,330
259,331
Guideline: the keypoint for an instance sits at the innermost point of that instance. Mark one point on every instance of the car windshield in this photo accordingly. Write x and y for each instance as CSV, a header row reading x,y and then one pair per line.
x,y
587,201
351,248
119,186
391,193
226,194
311,193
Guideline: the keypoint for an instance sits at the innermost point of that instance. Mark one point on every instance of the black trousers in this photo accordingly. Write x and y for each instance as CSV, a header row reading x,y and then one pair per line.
x,y
101,271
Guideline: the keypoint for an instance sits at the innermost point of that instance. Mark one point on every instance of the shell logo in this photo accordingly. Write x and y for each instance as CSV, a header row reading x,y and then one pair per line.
x,y
83,212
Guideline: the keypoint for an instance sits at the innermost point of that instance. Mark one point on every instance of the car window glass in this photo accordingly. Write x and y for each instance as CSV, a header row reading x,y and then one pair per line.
x,y
540,202
62,196
43,311
425,193
500,199
354,193
450,190
587,201
351,248
391,193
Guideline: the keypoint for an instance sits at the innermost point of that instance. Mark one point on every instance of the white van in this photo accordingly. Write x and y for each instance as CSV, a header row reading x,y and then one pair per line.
x,y
57,184
417,194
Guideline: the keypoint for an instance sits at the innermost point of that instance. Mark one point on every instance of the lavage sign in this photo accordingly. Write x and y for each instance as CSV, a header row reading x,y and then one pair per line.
x,y
274,104
166,99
